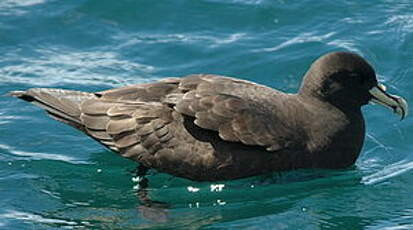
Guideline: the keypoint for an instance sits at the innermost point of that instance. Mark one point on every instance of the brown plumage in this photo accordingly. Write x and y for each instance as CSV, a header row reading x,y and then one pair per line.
x,y
208,127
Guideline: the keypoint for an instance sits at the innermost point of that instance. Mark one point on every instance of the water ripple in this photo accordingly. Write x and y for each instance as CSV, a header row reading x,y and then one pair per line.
x,y
242,2
12,214
41,156
74,67
187,38
13,7
93,44
390,171
378,142
4,119
399,227
402,23
302,38
345,44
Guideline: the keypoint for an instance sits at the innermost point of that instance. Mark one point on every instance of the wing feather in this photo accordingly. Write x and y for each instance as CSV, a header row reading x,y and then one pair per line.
x,y
129,127
239,110
114,127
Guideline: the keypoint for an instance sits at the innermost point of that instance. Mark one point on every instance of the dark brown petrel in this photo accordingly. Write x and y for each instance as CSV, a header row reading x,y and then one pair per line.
x,y
209,127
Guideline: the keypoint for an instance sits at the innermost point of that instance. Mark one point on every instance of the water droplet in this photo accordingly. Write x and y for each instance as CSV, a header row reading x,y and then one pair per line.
x,y
220,202
192,189
217,187
136,187
136,179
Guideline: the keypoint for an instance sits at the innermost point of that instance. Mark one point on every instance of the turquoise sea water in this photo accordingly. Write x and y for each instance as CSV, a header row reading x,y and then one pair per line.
x,y
53,177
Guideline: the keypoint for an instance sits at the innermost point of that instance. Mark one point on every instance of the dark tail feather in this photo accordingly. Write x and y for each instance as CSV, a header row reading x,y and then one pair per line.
x,y
62,105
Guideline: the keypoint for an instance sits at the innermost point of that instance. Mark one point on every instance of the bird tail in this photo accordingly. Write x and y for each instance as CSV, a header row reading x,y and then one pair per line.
x,y
62,105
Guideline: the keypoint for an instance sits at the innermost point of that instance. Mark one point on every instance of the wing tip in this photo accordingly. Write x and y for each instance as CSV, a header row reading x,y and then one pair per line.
x,y
24,95
17,93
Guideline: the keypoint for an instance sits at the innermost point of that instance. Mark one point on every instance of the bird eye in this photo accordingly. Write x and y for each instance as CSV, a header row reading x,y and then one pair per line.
x,y
358,77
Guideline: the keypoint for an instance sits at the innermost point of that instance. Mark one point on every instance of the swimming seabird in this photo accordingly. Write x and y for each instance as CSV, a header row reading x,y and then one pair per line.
x,y
207,127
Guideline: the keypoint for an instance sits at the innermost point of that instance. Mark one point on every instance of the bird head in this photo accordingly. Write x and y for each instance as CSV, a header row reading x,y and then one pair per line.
x,y
348,81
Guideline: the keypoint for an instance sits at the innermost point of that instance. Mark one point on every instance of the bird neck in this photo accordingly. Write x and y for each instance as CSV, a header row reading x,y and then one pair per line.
x,y
330,130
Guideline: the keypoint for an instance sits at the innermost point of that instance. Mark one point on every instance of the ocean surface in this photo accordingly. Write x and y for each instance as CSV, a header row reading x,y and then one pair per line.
x,y
54,177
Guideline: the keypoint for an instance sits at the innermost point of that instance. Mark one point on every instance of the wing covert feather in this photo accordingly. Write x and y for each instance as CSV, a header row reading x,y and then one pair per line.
x,y
233,109
131,128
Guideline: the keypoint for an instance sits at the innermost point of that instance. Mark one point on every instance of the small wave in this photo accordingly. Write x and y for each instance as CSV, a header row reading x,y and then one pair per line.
x,y
4,119
378,142
302,38
345,44
402,23
352,20
13,7
213,41
399,227
405,21
60,66
388,172
41,156
244,2
12,214
375,32
20,3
